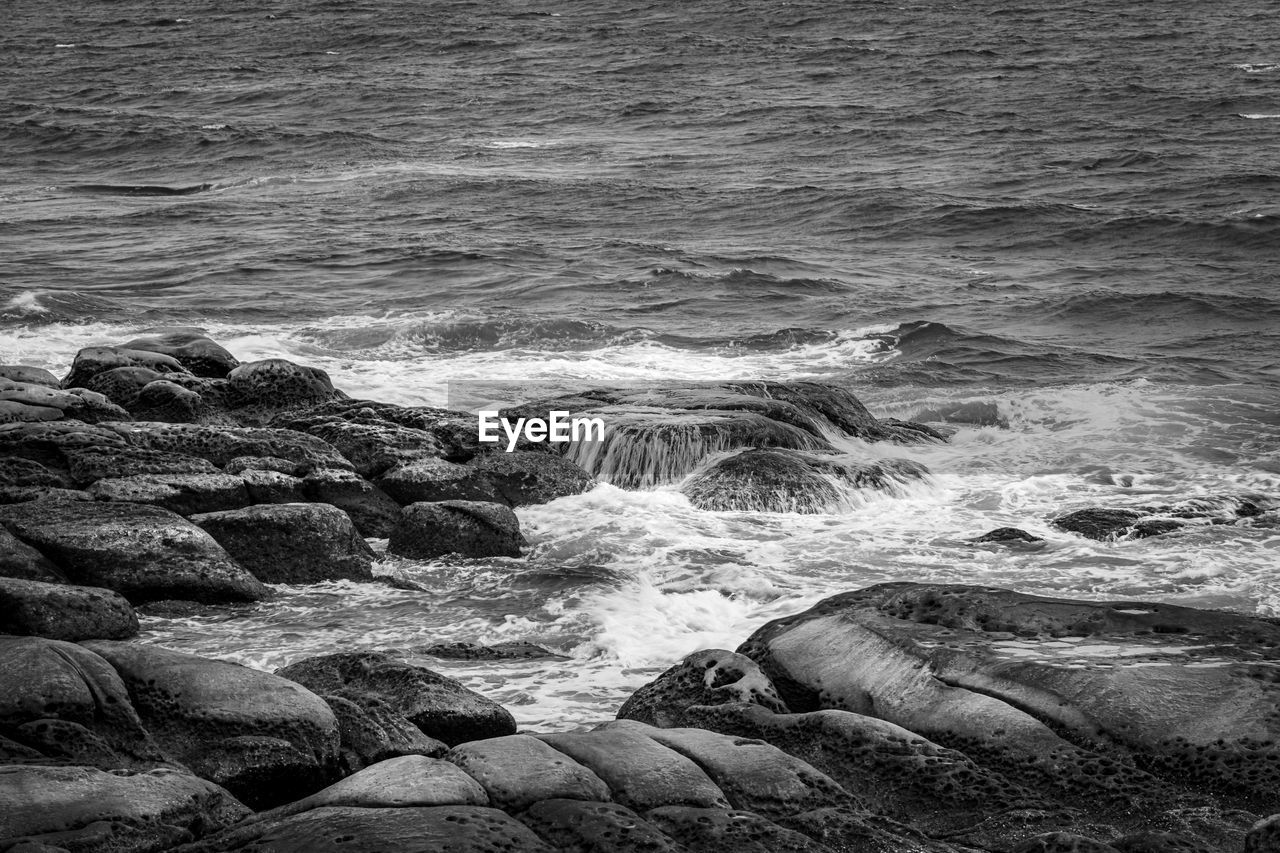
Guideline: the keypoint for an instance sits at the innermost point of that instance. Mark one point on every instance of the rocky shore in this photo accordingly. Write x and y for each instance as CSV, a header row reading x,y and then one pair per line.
x,y
902,717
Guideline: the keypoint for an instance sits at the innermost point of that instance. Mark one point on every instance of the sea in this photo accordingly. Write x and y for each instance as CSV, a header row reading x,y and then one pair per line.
x,y
1058,221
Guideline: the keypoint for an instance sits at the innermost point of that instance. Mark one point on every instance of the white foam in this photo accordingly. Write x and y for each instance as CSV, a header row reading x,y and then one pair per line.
x,y
1259,115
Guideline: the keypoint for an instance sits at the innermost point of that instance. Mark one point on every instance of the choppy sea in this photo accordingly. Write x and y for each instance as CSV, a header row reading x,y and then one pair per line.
x,y
1069,211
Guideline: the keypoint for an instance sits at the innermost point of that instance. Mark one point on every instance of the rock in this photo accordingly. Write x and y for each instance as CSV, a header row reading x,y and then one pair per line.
x,y
348,829
1063,842
846,829
83,809
122,385
1161,842
1112,523
20,560
519,770
774,480
753,775
374,513
262,389
971,413
41,400
1007,536
525,477
241,465
466,528
185,494
497,651
718,830
90,464
1100,524
1069,697
195,352
436,480
91,361
16,471
272,487
168,402
62,612
374,448
371,731
412,780
16,412
45,443
439,706
291,543
709,677
1264,836
640,772
220,445
52,686
264,738
587,827
30,375
143,552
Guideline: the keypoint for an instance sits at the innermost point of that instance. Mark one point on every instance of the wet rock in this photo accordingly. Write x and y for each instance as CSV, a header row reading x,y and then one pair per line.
x,y
264,738
262,389
519,770
436,480
16,471
143,552
220,445
349,829
587,827
498,651
272,487
1264,836
45,443
717,830
90,464
525,477
971,413
195,352
371,731
1063,842
15,412
1161,842
375,514
185,494
1078,700
374,448
20,560
25,494
91,361
244,464
787,481
846,829
64,612
62,688
41,400
1100,524
753,775
640,772
439,706
168,402
31,375
1007,536
1112,523
291,543
83,809
709,677
122,385
467,528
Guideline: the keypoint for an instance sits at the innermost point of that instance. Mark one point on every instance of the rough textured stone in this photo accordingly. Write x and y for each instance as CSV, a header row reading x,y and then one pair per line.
x,y
1264,836
195,352
718,830
754,775
1063,842
640,772
525,477
16,471
1006,536
518,650
90,464
467,528
143,552
264,738
32,375
708,677
272,487
436,704
435,479
82,809
220,445
20,560
372,731
66,703
574,826
91,361
1140,522
291,543
185,494
373,511
519,770
64,612
261,389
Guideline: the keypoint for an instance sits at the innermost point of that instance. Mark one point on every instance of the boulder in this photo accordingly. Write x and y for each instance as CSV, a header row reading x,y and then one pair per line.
x,y
434,479
525,477
291,543
640,772
16,471
220,445
411,780
64,612
466,528
375,514
575,825
1015,536
519,770
91,361
185,494
169,402
374,448
272,487
84,809
709,677
1140,522
261,389
716,830
143,552
371,731
439,706
92,463
30,375
264,738
20,560
122,385
66,704
195,352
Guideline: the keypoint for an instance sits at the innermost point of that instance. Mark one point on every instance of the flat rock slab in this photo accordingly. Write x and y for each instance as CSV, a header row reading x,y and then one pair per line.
x,y
1188,694
345,829
438,705
143,552
754,775
519,770
64,612
640,772
220,445
291,543
185,494
575,826
84,809
264,738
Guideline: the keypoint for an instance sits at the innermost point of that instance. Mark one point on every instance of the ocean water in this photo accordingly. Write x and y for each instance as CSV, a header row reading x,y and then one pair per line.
x,y
1067,211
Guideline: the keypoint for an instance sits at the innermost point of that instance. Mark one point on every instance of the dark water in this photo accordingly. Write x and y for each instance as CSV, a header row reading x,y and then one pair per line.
x,y
1066,209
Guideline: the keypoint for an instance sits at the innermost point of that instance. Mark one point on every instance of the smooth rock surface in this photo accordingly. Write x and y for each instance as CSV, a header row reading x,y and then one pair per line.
x,y
519,770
